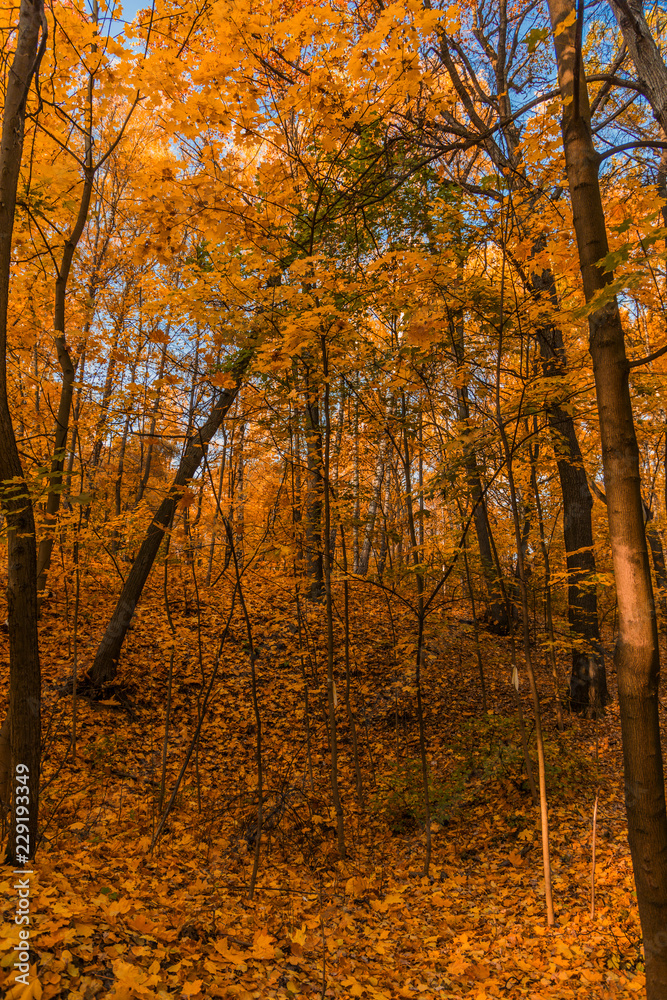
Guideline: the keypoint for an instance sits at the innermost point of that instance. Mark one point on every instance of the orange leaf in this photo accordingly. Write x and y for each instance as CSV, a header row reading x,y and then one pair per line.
x,y
262,948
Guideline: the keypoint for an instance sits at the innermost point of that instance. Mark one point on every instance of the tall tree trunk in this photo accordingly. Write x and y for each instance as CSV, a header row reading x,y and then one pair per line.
x,y
143,483
105,664
588,679
239,520
313,525
24,668
497,612
335,460
376,493
650,66
326,563
544,546
217,496
65,360
118,483
658,556
419,571
384,543
76,412
637,653
356,485
105,401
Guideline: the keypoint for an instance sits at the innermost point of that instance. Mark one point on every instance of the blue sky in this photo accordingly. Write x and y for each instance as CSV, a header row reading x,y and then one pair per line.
x,y
130,8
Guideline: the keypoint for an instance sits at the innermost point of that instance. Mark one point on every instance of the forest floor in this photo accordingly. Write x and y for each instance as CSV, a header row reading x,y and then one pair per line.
x,y
111,918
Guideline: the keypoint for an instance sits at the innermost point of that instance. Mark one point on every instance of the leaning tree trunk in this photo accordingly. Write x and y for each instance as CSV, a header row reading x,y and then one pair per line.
x,y
637,654
24,668
105,664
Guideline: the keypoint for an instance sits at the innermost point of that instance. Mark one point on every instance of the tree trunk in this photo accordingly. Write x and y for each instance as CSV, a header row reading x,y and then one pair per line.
x,y
326,565
658,556
104,404
384,543
588,680
105,664
335,460
153,424
376,494
497,612
118,484
356,515
76,411
419,570
650,65
239,520
588,686
217,496
67,365
24,667
313,525
637,654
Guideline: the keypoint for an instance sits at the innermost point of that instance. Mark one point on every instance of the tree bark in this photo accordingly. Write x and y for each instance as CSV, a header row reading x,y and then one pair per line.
x,y
588,679
153,424
105,664
637,653
356,515
313,524
496,606
646,56
67,365
239,521
24,667
376,493
335,461
658,556
118,483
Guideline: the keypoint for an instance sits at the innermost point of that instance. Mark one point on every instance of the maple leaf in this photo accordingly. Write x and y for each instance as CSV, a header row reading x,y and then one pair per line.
x,y
229,954
262,946
192,989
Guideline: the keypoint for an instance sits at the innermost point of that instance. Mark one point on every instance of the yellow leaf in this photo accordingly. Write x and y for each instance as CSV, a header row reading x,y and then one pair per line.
x,y
354,988
192,989
262,948
567,22
229,954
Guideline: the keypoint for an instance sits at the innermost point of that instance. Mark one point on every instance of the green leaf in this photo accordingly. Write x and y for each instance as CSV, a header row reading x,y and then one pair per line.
x,y
534,37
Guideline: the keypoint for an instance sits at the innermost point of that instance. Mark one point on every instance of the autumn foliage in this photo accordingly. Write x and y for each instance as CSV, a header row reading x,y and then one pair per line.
x,y
332,450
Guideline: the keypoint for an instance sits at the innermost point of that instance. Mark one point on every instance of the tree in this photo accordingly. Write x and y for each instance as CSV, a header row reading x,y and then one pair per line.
x,y
497,33
25,678
637,653
105,663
